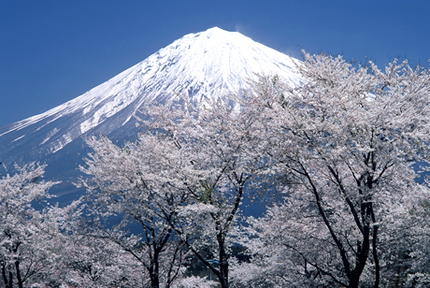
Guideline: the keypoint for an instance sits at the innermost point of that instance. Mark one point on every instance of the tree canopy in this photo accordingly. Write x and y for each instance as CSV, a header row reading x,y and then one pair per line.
x,y
338,155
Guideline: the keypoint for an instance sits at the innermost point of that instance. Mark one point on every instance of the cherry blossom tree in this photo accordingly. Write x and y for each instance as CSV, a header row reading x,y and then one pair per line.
x,y
27,238
213,155
405,246
345,141
121,190
97,262
183,181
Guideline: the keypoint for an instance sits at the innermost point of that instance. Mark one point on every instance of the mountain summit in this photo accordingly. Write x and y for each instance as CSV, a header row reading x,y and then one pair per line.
x,y
213,62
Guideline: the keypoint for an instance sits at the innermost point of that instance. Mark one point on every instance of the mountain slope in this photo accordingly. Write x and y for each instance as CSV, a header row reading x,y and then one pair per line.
x,y
201,65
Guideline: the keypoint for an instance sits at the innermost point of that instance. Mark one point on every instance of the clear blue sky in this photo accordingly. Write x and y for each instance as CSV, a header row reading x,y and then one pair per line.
x,y
52,51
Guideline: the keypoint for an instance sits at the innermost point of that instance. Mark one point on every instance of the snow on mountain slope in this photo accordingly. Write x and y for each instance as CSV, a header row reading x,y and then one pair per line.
x,y
213,62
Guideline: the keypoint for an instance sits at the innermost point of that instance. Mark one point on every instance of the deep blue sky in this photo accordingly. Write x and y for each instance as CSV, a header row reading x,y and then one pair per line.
x,y
52,51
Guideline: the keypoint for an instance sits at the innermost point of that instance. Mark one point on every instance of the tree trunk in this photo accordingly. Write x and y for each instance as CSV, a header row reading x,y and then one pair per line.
x,y
18,274
10,282
154,272
3,273
353,283
155,281
224,275
223,260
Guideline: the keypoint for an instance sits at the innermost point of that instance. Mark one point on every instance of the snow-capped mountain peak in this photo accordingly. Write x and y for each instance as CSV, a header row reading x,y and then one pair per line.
x,y
200,65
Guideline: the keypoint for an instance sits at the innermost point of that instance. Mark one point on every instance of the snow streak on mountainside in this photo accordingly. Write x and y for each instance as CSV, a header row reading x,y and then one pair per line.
x,y
201,65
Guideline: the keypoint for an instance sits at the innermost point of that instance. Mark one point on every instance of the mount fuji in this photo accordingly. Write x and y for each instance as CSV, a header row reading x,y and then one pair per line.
x,y
201,65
